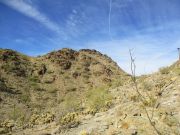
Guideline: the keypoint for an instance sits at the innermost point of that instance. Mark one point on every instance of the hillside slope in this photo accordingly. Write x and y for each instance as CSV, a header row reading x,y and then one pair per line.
x,y
84,92
57,83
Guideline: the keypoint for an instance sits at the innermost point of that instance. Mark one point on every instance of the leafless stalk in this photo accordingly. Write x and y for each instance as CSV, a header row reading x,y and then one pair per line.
x,y
142,98
179,53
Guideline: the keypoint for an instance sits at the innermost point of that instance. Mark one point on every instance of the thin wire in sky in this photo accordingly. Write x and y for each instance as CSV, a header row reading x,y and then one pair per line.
x,y
110,10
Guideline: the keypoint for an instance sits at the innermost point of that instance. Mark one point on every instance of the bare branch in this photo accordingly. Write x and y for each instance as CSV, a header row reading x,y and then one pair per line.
x,y
142,98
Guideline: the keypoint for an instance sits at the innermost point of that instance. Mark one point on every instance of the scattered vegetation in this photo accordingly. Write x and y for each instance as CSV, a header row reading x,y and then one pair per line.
x,y
52,90
73,92
116,83
70,120
84,132
43,118
99,98
150,101
14,67
25,98
147,86
164,70
142,98
3,86
16,113
34,79
71,102
176,71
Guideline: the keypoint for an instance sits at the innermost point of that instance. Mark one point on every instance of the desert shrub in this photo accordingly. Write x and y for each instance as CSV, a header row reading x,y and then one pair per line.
x,y
3,86
116,83
36,87
50,71
39,89
8,57
90,111
34,79
177,71
147,86
67,76
70,120
14,67
164,70
71,102
171,120
52,90
15,113
150,101
25,98
160,84
84,132
99,98
134,98
75,74
86,81
78,68
64,64
85,76
86,63
61,72
48,79
70,88
42,118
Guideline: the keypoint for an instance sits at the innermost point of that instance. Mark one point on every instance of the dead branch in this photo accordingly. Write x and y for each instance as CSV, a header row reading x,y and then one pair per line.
x,y
142,98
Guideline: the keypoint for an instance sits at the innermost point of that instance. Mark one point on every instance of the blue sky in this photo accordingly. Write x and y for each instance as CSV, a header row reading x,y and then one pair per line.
x,y
150,27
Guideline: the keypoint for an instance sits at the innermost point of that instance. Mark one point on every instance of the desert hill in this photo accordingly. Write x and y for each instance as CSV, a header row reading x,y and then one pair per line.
x,y
84,92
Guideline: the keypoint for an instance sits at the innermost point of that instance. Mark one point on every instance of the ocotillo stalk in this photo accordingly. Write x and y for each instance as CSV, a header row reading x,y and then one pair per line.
x,y
179,53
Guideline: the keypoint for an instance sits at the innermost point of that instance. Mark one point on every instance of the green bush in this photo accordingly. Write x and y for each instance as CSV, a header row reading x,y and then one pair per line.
x,y
34,79
147,86
177,71
52,90
164,70
25,98
71,88
99,98
15,113
71,102
36,86
116,83
16,67
150,101
3,86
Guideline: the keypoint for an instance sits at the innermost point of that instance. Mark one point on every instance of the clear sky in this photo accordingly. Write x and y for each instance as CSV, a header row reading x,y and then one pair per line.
x,y
150,27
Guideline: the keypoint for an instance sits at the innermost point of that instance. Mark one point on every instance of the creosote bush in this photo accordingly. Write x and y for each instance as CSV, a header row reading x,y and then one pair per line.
x,y
99,98
34,79
3,86
25,98
147,86
71,102
164,70
150,101
116,83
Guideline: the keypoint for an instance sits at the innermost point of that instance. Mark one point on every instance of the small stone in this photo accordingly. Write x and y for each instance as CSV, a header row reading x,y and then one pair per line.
x,y
57,130
135,133
98,114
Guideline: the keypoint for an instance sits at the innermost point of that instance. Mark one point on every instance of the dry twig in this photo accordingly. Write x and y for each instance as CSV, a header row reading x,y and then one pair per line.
x,y
142,98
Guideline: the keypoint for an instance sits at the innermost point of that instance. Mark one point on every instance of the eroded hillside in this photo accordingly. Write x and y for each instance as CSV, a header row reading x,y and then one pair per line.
x,y
58,83
84,92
